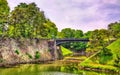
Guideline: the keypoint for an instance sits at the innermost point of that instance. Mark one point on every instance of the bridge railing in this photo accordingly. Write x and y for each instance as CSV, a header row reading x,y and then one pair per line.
x,y
60,41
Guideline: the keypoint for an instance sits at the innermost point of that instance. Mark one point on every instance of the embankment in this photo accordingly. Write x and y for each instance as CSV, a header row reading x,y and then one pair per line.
x,y
13,51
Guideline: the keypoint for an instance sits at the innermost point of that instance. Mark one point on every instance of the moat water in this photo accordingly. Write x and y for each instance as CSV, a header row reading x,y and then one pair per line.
x,y
53,68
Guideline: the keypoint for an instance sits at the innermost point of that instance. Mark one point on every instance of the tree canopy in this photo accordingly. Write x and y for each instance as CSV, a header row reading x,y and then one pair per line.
x,y
114,29
28,21
72,33
4,12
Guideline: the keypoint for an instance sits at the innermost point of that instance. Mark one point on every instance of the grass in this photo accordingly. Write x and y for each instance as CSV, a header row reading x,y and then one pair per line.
x,y
100,66
87,59
88,63
115,47
66,51
93,65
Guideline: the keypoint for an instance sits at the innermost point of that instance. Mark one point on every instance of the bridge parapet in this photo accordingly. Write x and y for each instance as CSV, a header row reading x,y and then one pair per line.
x,y
60,41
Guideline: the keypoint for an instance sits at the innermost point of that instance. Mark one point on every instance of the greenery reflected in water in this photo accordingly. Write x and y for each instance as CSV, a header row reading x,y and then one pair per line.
x,y
47,69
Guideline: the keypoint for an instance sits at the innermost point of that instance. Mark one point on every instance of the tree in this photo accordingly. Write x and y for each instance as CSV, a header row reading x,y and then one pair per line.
x,y
77,46
78,34
99,39
68,33
27,21
4,12
50,29
114,29
87,34
71,33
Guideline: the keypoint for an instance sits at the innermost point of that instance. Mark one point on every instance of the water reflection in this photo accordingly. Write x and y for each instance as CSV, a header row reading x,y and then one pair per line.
x,y
47,69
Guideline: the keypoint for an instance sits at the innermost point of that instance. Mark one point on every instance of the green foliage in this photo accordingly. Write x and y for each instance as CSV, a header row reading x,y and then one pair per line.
x,y
50,29
99,66
88,63
78,46
29,55
88,60
71,33
115,47
117,61
99,39
17,52
78,34
37,55
106,52
104,59
72,68
4,11
28,21
66,51
67,33
114,29
87,34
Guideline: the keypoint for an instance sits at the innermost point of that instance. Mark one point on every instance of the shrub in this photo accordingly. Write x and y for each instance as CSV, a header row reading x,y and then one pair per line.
x,y
117,61
105,56
37,55
17,52
30,56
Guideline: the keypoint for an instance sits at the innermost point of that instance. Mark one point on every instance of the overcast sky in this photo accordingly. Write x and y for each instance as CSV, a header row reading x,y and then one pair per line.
x,y
77,14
